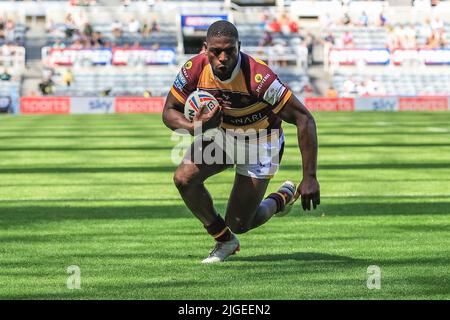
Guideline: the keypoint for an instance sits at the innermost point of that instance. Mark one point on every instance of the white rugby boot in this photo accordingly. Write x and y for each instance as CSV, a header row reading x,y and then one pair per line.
x,y
288,190
223,250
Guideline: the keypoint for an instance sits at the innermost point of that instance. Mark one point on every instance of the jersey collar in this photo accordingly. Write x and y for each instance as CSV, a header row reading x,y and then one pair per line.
x,y
233,74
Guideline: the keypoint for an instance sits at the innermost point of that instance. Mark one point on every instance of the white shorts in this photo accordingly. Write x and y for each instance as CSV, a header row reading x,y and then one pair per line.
x,y
257,158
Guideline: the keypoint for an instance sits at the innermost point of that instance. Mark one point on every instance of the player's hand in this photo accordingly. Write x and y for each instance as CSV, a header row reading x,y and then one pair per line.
x,y
209,120
309,190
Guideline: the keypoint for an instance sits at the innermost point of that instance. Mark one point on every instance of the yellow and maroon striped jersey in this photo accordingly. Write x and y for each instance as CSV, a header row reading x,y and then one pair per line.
x,y
251,98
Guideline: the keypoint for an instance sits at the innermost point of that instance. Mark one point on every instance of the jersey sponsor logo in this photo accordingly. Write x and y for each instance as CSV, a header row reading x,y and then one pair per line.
x,y
258,77
180,81
274,92
185,73
247,119
261,82
188,64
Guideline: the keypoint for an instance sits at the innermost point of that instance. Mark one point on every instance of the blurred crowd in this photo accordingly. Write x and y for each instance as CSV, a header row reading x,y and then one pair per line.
x,y
283,31
80,33
429,34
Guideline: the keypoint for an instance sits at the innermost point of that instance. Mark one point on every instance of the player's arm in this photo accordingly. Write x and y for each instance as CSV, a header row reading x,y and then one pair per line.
x,y
174,119
295,112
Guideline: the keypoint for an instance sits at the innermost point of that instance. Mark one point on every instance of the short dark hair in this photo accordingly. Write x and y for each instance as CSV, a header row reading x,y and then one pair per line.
x,y
222,28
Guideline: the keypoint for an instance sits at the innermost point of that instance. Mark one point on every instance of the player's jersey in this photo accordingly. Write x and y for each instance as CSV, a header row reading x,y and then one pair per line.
x,y
251,98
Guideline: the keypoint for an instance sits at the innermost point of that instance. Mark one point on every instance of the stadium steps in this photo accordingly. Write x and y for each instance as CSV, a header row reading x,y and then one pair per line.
x,y
32,77
35,40
319,79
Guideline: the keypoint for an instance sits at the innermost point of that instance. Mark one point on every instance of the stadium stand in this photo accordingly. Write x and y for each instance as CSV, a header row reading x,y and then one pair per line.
x,y
112,81
12,58
386,53
84,28
288,35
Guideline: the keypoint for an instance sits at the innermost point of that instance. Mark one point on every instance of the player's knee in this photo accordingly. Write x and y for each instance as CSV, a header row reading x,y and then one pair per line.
x,y
181,180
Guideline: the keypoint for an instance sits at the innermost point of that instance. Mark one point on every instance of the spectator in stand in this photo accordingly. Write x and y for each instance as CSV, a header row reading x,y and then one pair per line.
x,y
363,20
374,88
382,20
329,39
294,27
278,52
117,29
266,40
347,39
46,86
88,30
77,44
308,91
5,75
68,77
410,37
346,20
265,17
436,40
134,26
69,26
9,30
8,50
146,29
361,89
400,37
331,92
287,25
274,26
147,93
155,26
437,23
136,45
349,87
309,43
97,40
58,44
391,39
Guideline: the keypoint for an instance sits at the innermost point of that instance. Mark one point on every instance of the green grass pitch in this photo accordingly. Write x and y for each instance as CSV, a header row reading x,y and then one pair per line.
x,y
97,192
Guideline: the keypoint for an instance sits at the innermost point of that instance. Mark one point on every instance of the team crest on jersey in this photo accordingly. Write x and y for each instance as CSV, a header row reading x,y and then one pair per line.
x,y
258,77
188,64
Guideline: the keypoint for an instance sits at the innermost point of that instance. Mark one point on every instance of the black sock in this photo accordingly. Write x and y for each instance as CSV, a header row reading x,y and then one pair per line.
x,y
279,199
219,230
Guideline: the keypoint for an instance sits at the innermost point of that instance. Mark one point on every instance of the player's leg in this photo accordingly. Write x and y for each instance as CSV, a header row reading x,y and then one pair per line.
x,y
189,179
246,208
245,201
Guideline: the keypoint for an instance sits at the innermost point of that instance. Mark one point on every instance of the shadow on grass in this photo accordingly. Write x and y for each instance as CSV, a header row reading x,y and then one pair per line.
x,y
298,256
93,148
23,214
171,169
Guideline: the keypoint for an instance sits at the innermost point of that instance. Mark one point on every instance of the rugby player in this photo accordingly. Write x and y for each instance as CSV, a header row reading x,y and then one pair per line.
x,y
251,96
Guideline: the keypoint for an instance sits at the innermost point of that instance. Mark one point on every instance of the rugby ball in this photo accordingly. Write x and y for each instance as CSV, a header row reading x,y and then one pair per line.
x,y
196,101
